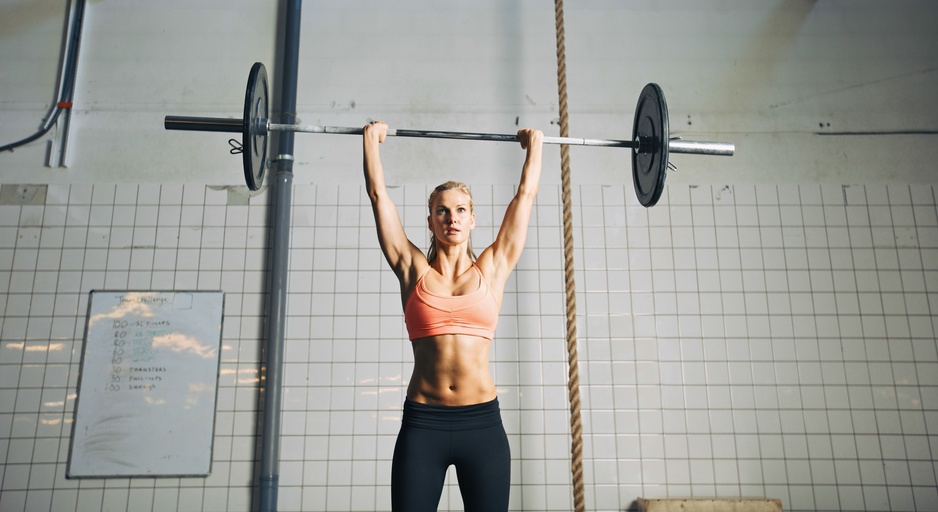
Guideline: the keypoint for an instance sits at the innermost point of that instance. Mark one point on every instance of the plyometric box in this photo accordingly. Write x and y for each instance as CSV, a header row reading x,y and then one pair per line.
x,y
148,384
709,505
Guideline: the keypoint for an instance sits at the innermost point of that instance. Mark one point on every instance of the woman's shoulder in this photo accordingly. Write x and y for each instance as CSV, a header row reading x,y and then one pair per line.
x,y
488,267
410,274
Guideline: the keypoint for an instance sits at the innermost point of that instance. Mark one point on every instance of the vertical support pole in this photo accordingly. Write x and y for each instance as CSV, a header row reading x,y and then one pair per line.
x,y
281,186
62,110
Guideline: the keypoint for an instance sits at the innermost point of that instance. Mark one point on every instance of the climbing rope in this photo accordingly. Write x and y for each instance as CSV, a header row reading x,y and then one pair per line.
x,y
573,382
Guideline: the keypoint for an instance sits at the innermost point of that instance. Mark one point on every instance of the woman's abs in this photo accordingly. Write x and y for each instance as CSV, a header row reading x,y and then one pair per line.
x,y
451,370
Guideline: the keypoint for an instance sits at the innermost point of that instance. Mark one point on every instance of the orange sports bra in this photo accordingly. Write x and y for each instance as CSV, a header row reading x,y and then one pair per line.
x,y
428,314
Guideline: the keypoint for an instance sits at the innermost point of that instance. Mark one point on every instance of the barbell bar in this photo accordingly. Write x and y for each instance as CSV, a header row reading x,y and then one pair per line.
x,y
220,124
650,141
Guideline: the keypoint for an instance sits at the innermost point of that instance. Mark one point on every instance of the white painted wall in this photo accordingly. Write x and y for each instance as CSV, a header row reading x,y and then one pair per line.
x,y
767,75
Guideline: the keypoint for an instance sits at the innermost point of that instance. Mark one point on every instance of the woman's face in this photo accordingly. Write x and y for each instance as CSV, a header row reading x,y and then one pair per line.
x,y
451,218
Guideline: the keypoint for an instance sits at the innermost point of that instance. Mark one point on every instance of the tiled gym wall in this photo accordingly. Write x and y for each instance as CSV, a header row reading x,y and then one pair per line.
x,y
772,341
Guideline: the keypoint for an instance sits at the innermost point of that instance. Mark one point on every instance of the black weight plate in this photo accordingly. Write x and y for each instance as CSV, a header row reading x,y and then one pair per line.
x,y
256,115
650,159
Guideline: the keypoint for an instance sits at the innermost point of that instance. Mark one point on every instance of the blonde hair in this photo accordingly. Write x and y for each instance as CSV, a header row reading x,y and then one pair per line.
x,y
449,185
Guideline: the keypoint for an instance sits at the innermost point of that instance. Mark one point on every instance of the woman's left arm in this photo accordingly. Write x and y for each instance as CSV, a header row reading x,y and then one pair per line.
x,y
504,253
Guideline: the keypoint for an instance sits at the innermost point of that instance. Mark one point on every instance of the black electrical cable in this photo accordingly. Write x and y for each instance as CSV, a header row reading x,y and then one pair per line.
x,y
56,110
68,80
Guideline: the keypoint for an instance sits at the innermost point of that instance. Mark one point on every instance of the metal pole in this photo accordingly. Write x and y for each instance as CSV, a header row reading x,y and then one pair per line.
x,y
437,134
282,189
59,143
216,124
701,147
204,124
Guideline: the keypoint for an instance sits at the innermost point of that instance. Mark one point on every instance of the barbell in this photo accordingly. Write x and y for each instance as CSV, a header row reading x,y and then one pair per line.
x,y
650,143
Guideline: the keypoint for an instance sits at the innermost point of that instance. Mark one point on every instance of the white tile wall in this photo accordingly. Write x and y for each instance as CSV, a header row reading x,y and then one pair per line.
x,y
770,341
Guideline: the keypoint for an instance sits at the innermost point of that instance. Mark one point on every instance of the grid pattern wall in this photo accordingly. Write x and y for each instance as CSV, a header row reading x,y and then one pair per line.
x,y
734,341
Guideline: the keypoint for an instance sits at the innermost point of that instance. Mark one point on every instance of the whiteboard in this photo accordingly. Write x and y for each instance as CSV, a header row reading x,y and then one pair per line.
x,y
148,384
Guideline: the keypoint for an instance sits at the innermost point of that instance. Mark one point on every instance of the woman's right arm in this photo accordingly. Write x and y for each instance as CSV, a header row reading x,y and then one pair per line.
x,y
400,253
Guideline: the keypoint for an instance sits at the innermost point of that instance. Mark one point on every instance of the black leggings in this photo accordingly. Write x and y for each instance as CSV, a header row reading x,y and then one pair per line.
x,y
432,438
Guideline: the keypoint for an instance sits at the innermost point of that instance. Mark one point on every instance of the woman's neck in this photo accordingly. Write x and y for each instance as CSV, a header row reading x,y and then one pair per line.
x,y
452,261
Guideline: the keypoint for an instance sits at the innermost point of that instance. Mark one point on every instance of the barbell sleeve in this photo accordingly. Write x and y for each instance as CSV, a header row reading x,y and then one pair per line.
x,y
701,147
204,124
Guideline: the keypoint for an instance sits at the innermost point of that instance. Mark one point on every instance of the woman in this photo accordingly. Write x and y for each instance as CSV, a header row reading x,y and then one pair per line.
x,y
451,304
